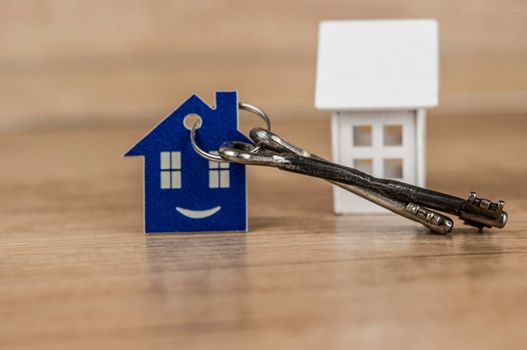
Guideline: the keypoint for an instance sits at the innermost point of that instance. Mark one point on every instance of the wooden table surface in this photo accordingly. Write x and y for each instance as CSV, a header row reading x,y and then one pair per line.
x,y
77,272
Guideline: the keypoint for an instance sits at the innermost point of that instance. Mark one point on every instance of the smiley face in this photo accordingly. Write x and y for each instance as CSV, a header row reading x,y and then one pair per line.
x,y
171,178
198,214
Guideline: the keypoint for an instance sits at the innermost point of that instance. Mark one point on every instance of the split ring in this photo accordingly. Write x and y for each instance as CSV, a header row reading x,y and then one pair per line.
x,y
215,157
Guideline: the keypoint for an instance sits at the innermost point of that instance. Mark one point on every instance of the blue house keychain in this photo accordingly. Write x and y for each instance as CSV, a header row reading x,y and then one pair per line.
x,y
184,192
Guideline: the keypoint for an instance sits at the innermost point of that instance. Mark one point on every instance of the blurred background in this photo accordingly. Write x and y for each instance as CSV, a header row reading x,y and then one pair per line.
x,y
82,80
75,63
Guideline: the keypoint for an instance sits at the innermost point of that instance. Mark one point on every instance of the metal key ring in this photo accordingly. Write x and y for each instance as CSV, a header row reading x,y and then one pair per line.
x,y
216,158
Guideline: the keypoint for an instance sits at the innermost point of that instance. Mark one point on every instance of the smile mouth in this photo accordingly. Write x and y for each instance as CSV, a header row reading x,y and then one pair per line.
x,y
198,214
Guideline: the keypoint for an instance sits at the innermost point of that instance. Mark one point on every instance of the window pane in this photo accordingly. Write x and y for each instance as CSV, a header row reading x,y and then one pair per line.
x,y
364,165
176,160
214,165
165,180
165,160
393,135
224,179
176,179
362,136
393,168
224,165
214,181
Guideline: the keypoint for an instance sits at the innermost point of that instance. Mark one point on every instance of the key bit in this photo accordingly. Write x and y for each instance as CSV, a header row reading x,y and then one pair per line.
x,y
481,212
439,223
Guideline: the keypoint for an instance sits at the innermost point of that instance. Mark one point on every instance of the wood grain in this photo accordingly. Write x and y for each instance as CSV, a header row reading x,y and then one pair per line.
x,y
76,271
125,62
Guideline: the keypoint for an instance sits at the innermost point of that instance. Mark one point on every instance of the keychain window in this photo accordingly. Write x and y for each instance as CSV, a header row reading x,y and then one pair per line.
x,y
219,174
170,170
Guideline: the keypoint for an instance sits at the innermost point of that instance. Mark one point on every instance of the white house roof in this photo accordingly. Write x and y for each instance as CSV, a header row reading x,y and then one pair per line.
x,y
377,64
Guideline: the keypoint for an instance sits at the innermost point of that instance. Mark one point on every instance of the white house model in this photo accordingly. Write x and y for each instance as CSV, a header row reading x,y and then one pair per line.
x,y
377,77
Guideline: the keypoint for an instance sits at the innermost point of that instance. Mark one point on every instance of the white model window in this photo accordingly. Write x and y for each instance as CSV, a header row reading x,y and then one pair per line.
x,y
391,146
219,174
381,145
170,170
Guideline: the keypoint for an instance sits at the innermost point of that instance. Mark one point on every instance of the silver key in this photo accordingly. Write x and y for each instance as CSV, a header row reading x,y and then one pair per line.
x,y
413,202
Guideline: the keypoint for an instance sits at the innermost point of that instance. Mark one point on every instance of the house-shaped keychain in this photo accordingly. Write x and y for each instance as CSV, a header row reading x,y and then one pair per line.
x,y
184,192
377,77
